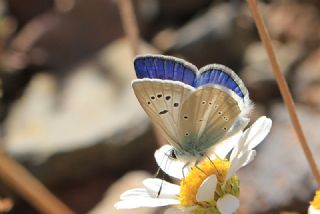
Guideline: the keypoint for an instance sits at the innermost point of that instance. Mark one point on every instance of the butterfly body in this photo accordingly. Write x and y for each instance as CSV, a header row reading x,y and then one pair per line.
x,y
193,109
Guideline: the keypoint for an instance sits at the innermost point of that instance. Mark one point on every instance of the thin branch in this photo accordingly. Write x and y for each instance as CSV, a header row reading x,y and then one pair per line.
x,y
284,89
132,31
129,23
19,179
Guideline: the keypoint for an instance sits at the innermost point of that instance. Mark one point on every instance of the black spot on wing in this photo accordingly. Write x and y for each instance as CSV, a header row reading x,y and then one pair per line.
x,y
163,112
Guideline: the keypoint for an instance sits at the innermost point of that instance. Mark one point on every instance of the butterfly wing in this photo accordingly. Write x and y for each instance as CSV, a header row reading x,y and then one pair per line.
x,y
165,68
206,116
162,101
223,76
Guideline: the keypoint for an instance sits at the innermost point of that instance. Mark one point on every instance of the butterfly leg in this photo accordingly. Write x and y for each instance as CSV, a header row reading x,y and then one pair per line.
x,y
215,154
213,164
167,155
160,188
185,166
196,165
163,174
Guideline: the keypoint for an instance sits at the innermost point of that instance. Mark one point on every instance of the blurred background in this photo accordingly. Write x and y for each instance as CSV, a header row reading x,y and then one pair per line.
x,y
68,113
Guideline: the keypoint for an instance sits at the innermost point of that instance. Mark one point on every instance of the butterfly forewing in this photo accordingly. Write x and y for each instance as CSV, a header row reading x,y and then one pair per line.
x,y
162,101
206,116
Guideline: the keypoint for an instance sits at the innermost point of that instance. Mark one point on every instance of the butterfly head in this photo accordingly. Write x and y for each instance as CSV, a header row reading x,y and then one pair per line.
x,y
185,155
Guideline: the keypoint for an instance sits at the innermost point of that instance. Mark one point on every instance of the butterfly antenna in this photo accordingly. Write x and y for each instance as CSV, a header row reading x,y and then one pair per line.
x,y
162,180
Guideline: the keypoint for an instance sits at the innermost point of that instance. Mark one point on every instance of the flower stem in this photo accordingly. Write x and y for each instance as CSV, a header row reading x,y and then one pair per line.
x,y
283,86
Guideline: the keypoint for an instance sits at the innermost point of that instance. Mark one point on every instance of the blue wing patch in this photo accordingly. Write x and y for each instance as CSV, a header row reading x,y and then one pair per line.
x,y
221,75
165,68
172,68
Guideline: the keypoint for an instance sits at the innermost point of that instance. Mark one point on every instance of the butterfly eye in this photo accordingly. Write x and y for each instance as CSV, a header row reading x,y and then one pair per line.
x,y
173,154
175,104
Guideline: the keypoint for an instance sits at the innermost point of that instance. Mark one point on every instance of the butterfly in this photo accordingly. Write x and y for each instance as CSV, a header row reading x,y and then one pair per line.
x,y
194,109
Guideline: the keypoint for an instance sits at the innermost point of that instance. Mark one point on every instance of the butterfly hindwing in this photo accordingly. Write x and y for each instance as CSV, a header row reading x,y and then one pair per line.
x,y
221,75
206,116
162,101
165,68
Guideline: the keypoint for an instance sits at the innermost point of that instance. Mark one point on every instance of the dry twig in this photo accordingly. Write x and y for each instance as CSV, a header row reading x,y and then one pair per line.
x,y
283,86
19,179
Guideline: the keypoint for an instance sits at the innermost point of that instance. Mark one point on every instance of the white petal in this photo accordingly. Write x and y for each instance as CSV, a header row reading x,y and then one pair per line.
x,y
168,190
252,137
232,170
237,148
240,161
313,210
172,167
246,158
137,202
138,192
179,210
207,189
222,149
258,131
228,204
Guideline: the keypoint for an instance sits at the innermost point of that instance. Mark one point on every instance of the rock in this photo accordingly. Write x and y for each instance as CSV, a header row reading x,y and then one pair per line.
x,y
279,177
78,136
212,37
95,104
294,21
257,72
173,8
61,40
257,65
306,80
128,181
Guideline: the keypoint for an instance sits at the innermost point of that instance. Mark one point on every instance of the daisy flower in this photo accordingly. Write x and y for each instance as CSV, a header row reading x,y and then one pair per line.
x,y
314,207
210,187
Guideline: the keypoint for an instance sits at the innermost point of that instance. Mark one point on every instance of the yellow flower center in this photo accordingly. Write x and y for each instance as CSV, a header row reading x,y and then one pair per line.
x,y
316,201
190,184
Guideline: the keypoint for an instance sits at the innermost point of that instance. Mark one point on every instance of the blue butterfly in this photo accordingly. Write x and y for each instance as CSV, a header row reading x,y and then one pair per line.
x,y
194,109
